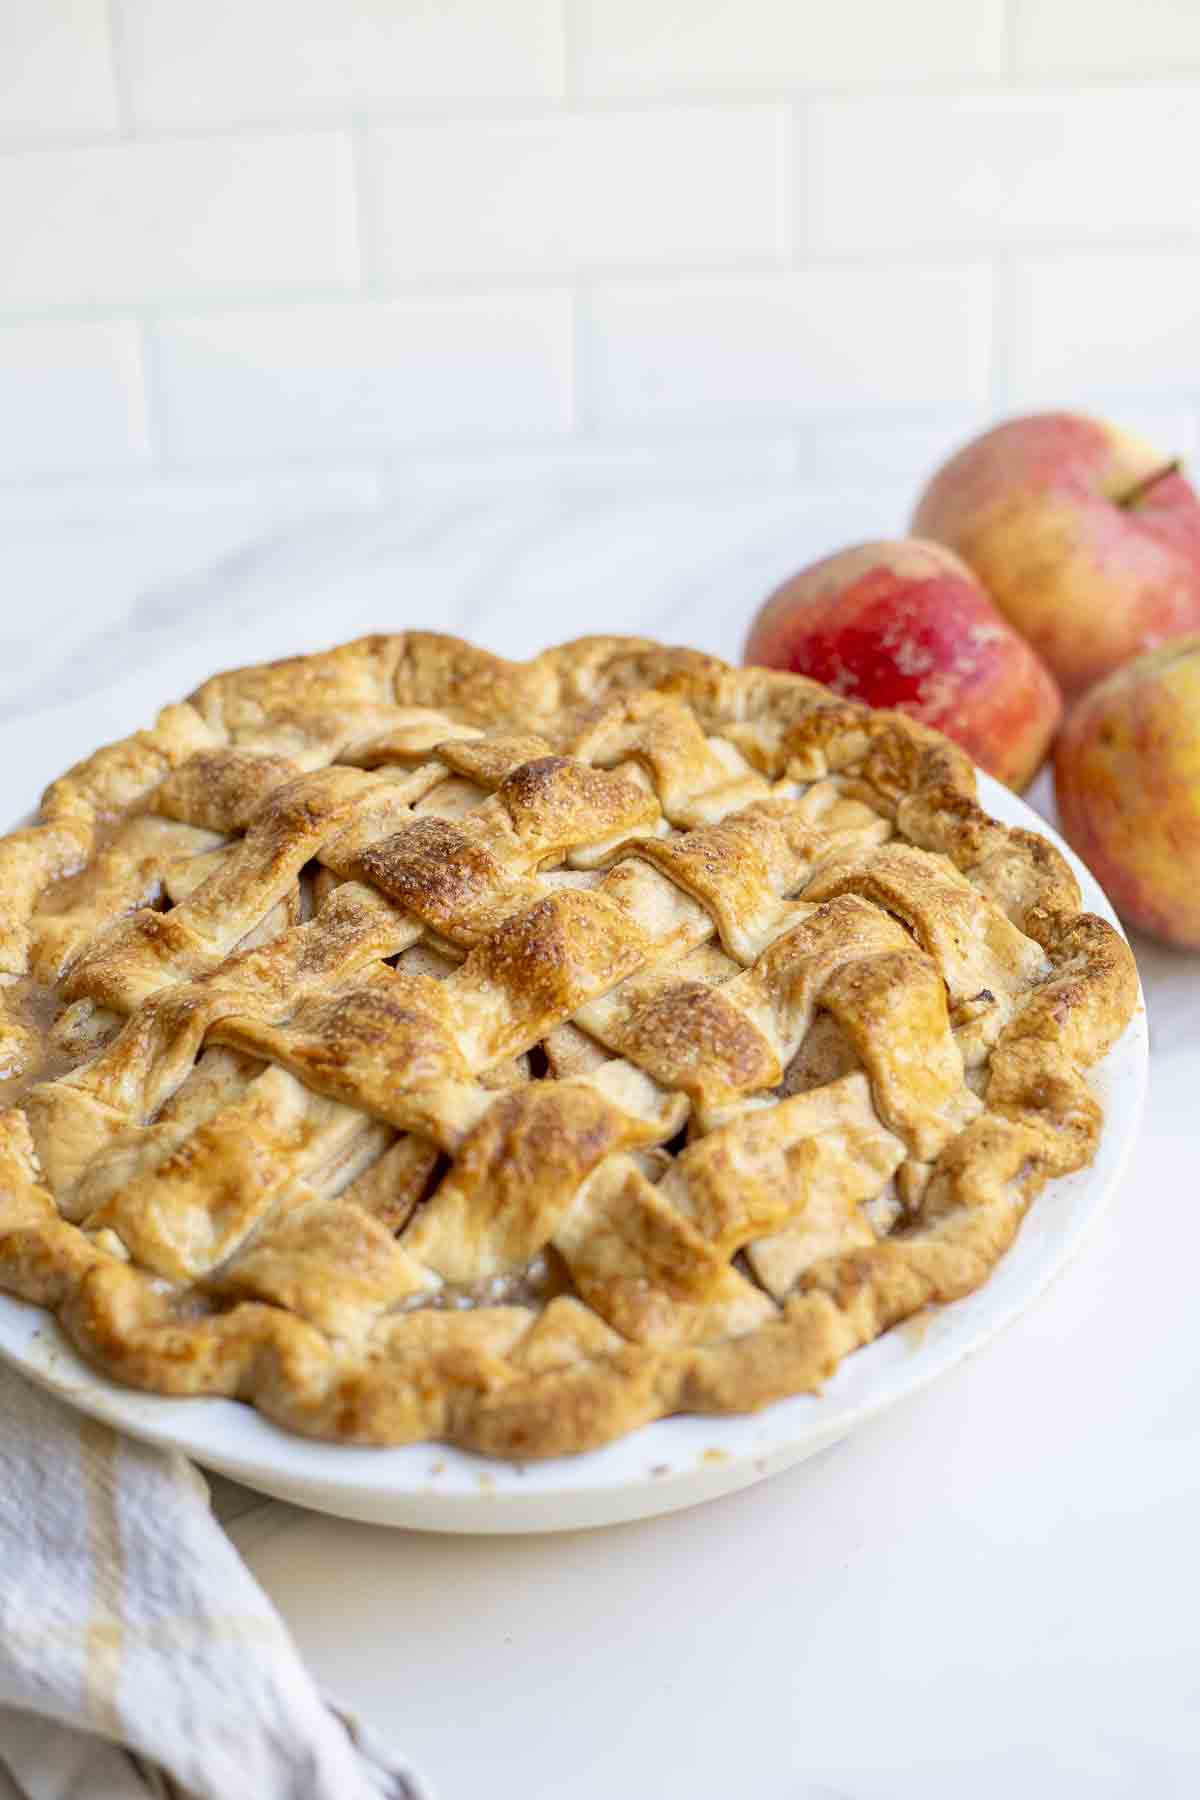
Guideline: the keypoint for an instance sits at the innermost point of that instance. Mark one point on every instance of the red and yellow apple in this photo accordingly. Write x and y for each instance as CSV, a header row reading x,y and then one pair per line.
x,y
905,624
1127,776
1086,538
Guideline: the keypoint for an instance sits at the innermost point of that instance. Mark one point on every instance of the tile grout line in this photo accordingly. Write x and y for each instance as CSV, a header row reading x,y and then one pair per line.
x,y
582,425
118,56
154,394
570,54
787,186
1011,31
34,483
1024,84
1002,312
364,211
692,273
50,485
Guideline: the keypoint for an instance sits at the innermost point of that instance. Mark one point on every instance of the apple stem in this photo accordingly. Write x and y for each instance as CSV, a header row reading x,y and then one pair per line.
x,y
1141,488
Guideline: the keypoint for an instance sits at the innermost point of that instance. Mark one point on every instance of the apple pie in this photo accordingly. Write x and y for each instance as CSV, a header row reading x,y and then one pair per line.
x,y
421,1045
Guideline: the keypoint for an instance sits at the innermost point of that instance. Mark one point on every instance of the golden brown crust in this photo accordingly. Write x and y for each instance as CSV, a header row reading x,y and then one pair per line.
x,y
240,1154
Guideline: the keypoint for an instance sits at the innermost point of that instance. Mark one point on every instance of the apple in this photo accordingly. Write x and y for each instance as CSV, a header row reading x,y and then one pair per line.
x,y
1127,777
905,624
1087,539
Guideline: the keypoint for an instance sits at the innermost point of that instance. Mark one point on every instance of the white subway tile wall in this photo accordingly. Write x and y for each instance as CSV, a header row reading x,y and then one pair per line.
x,y
739,350
365,375
1127,324
662,188
226,62
57,71
709,47
932,172
1080,36
72,396
203,217
384,248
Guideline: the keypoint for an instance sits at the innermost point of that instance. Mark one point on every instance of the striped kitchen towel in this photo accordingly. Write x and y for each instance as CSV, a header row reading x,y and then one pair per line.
x,y
138,1656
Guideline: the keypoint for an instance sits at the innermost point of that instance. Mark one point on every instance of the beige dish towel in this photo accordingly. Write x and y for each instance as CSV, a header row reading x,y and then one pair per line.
x,y
138,1656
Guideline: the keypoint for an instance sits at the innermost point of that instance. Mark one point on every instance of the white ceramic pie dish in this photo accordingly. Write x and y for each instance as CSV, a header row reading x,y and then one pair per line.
x,y
672,1463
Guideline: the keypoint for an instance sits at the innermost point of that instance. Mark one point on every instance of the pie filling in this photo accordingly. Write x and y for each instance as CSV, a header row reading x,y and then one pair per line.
x,y
423,1045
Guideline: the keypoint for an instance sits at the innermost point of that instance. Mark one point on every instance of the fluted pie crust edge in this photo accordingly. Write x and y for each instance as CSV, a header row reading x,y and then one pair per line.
x,y
453,947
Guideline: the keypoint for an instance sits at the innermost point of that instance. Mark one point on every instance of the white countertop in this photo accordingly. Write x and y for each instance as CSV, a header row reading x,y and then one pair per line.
x,y
990,1590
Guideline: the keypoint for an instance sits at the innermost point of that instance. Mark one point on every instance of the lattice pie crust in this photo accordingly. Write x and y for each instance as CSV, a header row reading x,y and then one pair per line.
x,y
422,1045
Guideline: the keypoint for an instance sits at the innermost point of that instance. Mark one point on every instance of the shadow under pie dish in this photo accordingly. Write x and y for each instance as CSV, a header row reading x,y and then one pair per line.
x,y
422,1045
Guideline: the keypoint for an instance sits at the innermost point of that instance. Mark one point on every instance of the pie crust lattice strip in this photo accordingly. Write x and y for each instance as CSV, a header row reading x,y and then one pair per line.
x,y
418,1044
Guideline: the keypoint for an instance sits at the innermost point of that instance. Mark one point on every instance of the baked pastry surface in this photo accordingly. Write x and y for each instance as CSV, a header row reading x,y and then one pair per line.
x,y
418,1044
